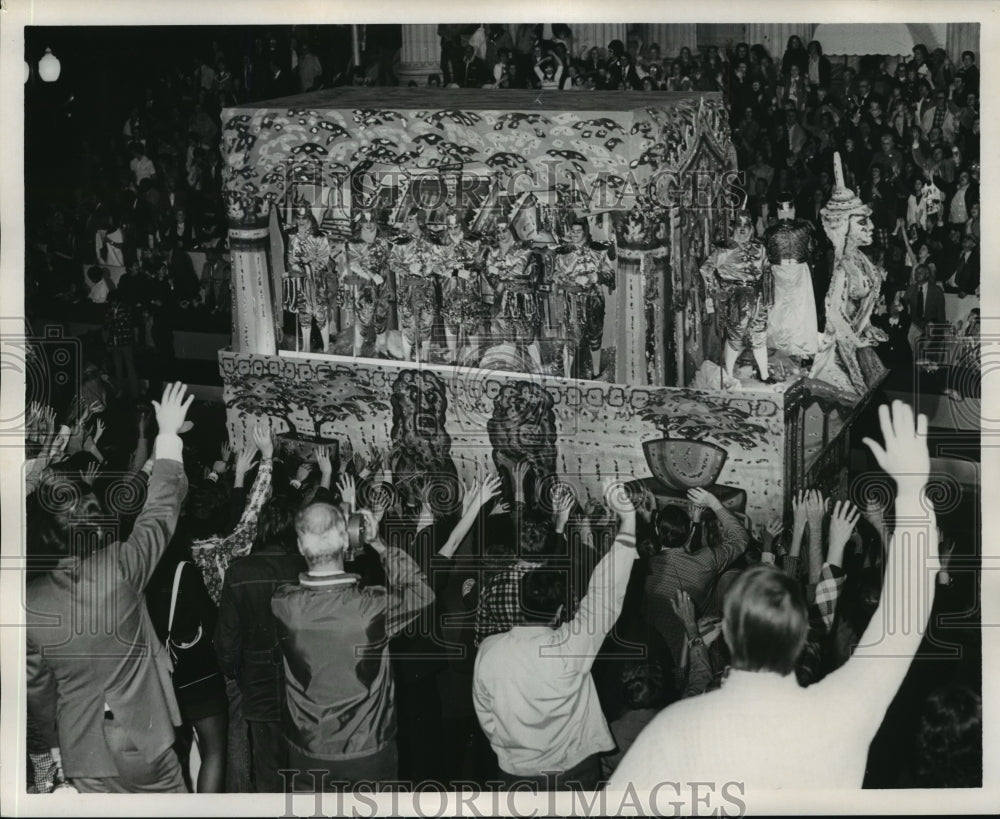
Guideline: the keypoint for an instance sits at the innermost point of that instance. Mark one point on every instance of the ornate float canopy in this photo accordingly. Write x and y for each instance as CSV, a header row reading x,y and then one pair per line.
x,y
608,143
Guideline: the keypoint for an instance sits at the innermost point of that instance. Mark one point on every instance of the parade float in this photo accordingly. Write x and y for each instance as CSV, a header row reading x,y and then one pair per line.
x,y
469,279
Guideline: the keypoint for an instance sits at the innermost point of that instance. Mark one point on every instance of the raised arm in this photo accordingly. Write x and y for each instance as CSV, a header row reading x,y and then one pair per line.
x,y
474,499
408,591
138,556
698,667
816,509
831,578
792,564
259,492
735,537
896,630
581,638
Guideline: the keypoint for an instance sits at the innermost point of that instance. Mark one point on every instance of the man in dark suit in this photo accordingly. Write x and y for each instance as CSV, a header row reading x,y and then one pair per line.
x,y
925,303
966,276
246,641
98,679
866,95
469,71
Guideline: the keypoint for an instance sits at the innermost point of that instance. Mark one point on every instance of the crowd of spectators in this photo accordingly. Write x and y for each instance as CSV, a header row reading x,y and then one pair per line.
x,y
496,639
276,643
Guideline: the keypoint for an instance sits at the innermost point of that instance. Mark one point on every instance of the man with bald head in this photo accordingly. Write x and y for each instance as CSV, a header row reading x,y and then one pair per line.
x,y
340,721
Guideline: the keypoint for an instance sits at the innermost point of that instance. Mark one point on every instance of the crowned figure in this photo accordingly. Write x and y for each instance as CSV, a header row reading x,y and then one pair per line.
x,y
792,326
847,357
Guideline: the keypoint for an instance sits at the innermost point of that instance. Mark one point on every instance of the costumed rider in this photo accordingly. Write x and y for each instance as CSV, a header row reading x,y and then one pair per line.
x,y
517,312
792,326
370,299
738,278
847,358
581,270
311,285
464,290
416,262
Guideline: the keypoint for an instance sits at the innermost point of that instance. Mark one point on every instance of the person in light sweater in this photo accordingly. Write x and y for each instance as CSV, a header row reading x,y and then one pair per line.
x,y
761,729
532,688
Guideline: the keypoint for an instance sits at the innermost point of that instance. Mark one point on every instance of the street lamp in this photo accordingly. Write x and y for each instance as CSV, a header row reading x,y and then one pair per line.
x,y
49,67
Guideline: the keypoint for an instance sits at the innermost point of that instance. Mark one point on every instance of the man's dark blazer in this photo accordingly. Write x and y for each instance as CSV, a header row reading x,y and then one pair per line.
x,y
91,644
933,312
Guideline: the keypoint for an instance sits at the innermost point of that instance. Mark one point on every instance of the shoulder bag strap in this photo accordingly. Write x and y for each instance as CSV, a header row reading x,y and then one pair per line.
x,y
173,597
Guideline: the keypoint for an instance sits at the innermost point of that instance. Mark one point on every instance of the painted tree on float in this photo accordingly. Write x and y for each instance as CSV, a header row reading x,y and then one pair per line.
x,y
331,397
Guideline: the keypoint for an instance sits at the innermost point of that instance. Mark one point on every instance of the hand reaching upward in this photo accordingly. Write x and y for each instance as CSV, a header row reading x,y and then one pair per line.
x,y
348,491
172,408
904,452
263,441
244,463
842,522
563,501
479,494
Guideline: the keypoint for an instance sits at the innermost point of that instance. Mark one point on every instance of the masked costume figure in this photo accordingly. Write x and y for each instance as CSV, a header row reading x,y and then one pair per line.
x,y
463,289
311,284
416,263
847,358
580,273
738,278
517,312
370,299
791,328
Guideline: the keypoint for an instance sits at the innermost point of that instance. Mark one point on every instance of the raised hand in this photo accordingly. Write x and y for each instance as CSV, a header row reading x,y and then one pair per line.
x,y
563,502
33,419
303,471
263,441
946,549
502,508
816,506
347,488
323,461
378,501
89,475
904,453
842,522
684,609
172,408
775,527
244,463
142,420
226,452
518,472
59,440
875,513
800,510
477,495
98,430
700,496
